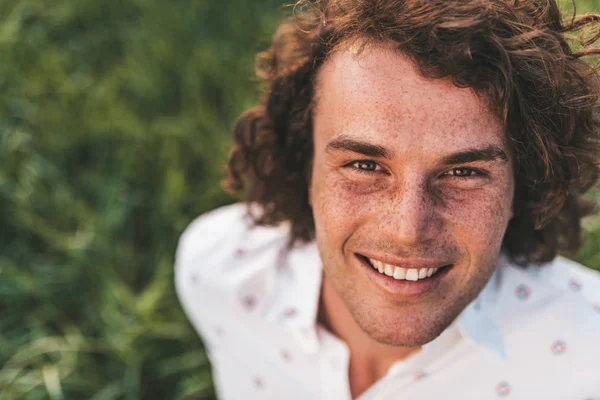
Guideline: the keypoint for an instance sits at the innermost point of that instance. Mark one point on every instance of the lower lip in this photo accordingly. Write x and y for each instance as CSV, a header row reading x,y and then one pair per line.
x,y
404,288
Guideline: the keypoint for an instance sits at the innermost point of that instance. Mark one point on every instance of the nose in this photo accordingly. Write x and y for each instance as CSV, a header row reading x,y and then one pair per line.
x,y
411,216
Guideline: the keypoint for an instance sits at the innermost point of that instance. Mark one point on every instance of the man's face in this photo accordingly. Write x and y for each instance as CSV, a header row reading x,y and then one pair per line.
x,y
411,172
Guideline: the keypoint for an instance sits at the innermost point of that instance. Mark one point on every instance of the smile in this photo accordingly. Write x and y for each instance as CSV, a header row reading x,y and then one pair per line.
x,y
401,273
407,280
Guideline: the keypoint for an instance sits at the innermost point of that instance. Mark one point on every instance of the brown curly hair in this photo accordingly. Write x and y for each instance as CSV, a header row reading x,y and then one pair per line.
x,y
515,53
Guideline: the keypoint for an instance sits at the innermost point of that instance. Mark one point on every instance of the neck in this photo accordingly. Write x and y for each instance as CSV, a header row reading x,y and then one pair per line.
x,y
369,359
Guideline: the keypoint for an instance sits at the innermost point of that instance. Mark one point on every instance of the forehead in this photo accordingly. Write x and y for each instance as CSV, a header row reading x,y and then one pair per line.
x,y
377,93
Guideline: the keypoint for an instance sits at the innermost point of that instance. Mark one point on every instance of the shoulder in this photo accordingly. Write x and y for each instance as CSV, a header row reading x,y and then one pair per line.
x,y
558,302
564,279
579,301
220,234
207,232
577,291
577,278
221,257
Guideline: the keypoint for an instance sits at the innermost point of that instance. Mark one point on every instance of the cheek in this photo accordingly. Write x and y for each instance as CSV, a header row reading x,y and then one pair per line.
x,y
338,207
479,219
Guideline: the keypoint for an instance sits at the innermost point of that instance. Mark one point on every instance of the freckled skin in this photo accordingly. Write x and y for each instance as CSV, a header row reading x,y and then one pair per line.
x,y
412,207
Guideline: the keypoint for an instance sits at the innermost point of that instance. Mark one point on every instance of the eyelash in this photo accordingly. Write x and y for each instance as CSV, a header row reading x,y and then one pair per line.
x,y
474,172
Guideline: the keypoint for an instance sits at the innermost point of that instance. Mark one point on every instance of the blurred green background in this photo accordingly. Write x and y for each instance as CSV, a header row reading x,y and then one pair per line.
x,y
115,121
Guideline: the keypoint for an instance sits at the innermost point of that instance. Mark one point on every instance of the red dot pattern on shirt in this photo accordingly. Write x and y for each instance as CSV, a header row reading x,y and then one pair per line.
x,y
290,312
523,292
559,347
249,302
420,375
286,355
503,389
240,253
575,285
258,383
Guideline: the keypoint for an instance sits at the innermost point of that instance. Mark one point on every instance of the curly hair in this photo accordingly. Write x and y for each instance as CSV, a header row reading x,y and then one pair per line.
x,y
520,55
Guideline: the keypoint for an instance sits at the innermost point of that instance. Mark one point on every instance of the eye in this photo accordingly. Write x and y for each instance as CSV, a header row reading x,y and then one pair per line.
x,y
465,172
462,172
365,166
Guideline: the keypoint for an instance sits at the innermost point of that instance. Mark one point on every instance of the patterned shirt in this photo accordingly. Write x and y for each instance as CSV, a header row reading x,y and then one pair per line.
x,y
532,333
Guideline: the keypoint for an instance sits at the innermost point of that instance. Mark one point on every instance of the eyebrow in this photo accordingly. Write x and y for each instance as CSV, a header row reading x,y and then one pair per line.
x,y
488,153
356,146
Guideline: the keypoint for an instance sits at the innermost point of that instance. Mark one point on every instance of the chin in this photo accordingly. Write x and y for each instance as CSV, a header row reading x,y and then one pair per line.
x,y
411,338
404,330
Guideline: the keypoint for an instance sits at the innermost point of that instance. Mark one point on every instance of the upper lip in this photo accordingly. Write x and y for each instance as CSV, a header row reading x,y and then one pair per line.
x,y
416,263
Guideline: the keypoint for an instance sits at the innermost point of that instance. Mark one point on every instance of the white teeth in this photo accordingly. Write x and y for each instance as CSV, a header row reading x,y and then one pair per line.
x,y
378,265
389,270
412,275
400,273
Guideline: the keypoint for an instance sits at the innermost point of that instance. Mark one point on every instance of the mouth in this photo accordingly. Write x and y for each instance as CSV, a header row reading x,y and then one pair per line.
x,y
405,282
400,273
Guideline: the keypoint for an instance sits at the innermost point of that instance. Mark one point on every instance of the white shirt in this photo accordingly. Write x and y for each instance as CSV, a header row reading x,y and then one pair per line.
x,y
531,334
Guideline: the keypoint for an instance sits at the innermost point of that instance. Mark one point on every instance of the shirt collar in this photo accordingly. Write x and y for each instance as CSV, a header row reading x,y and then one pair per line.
x,y
477,322
297,304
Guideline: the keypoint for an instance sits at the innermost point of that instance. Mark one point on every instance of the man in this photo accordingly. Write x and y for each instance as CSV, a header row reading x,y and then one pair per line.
x,y
411,174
